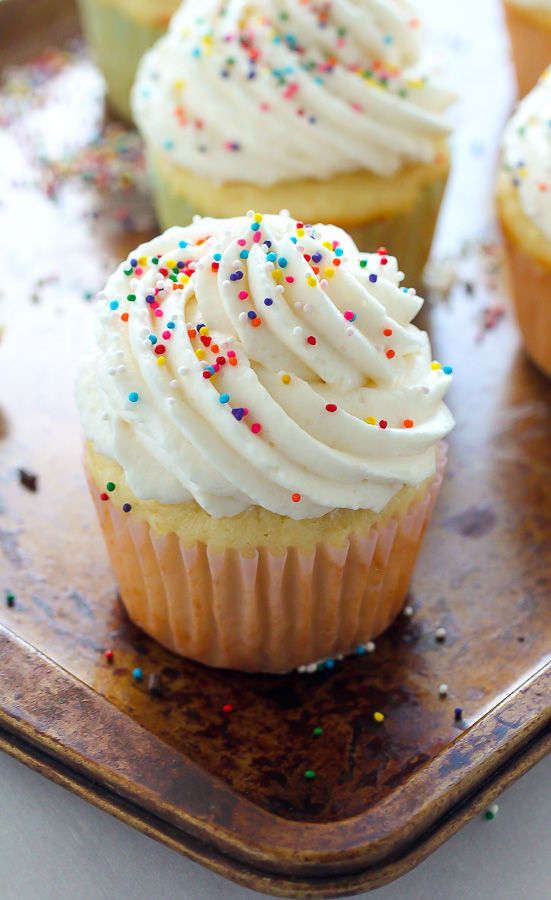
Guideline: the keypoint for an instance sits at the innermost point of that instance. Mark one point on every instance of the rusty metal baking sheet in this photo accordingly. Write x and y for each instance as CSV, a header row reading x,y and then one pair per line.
x,y
228,789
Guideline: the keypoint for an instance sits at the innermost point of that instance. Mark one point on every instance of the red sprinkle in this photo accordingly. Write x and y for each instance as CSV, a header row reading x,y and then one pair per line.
x,y
382,251
221,360
391,354
160,349
255,428
104,496
228,708
295,498
383,424
331,407
109,655
387,332
311,340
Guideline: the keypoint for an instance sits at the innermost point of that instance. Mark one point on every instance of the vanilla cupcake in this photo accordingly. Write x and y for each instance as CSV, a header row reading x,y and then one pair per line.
x,y
524,205
529,24
119,32
263,429
323,110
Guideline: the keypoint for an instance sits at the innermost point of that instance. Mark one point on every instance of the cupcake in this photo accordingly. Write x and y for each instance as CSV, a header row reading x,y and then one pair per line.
x,y
529,24
264,429
524,207
119,32
321,109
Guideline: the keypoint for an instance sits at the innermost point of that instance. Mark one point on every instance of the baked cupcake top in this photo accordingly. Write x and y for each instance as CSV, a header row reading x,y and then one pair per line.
x,y
273,90
259,361
526,154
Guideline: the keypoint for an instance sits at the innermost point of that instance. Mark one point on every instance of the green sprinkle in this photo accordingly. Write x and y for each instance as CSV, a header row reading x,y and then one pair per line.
x,y
110,486
128,271
489,815
10,599
318,732
131,297
363,263
309,774
155,260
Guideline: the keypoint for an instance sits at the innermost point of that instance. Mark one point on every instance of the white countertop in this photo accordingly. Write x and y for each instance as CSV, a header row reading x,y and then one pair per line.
x,y
54,846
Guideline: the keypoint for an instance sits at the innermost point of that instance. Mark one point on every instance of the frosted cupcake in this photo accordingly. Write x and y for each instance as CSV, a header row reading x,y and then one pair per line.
x,y
524,205
263,425
529,24
119,32
321,109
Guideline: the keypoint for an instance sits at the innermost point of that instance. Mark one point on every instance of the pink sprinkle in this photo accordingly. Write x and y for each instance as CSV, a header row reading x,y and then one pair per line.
x,y
349,316
154,305
255,428
245,411
289,279
167,335
257,237
216,367
243,295
158,313
138,271
264,107
356,106
341,42
241,242
231,353
290,91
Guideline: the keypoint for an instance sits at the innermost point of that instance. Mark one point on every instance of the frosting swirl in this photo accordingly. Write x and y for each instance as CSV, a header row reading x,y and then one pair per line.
x,y
527,153
256,361
275,90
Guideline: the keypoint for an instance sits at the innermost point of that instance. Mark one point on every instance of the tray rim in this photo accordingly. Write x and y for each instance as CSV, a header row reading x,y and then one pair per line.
x,y
319,873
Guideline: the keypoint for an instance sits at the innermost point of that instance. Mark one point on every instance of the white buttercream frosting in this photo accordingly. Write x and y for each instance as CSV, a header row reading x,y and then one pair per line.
x,y
527,153
531,4
274,90
323,394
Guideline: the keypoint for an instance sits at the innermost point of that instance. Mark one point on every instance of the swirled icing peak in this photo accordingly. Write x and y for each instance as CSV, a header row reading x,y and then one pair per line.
x,y
260,361
274,90
527,153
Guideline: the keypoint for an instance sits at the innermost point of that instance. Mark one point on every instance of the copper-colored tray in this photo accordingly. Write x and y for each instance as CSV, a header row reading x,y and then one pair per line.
x,y
228,789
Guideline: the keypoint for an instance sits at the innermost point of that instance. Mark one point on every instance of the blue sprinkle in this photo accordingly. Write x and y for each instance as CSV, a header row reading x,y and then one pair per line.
x,y
200,325
244,254
236,276
268,301
169,145
447,370
316,257
150,298
282,262
271,257
373,278
251,314
318,79
196,52
183,244
239,412
224,398
339,251
360,649
126,507
133,397
134,263
171,324
114,304
268,244
329,663
255,226
152,338
217,257
137,674
294,240
389,39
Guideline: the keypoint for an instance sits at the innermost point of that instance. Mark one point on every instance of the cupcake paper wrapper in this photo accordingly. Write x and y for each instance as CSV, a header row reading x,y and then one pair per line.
x,y
530,43
531,290
267,612
118,43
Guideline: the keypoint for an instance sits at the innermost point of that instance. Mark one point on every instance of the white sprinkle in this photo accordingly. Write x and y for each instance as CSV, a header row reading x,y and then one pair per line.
x,y
300,248
311,668
364,469
298,305
297,331
307,307
171,401
243,316
370,647
302,670
146,343
443,690
324,283
408,611
105,417
440,633
226,283
379,348
119,354
121,370
350,332
174,385
111,370
183,370
285,213
494,809
425,389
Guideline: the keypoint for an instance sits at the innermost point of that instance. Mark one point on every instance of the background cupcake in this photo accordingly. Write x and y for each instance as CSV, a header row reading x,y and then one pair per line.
x,y
524,205
263,425
119,32
529,24
319,109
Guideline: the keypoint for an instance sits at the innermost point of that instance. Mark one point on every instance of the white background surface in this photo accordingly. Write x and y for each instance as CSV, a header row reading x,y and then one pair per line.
x,y
54,846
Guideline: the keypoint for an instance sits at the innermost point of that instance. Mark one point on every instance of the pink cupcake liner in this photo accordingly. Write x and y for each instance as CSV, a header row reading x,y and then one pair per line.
x,y
266,612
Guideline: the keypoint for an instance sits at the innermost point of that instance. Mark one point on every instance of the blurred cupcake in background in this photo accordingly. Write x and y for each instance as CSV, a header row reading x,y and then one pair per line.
x,y
264,429
524,206
119,32
320,109
529,24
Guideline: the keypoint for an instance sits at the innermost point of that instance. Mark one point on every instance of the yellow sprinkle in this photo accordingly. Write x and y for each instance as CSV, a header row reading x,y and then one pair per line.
x,y
184,279
200,353
328,272
161,360
328,245
379,717
371,420
435,365
142,260
286,379
277,273
170,263
301,232
204,331
415,82
258,217
179,83
207,38
312,281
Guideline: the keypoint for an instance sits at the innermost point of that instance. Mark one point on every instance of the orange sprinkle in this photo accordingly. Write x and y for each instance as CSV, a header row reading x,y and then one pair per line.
x,y
387,332
408,423
336,262
390,354
316,270
232,361
215,348
256,322
295,498
191,333
125,317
